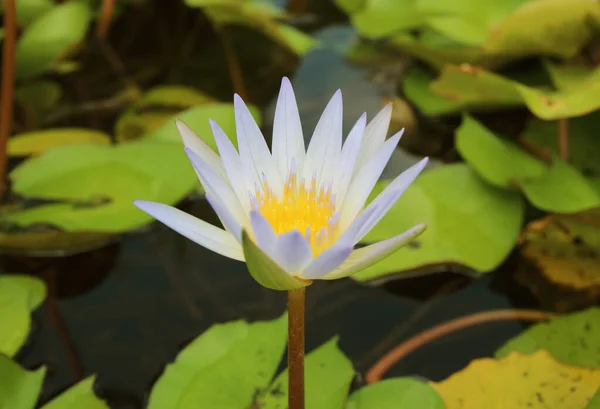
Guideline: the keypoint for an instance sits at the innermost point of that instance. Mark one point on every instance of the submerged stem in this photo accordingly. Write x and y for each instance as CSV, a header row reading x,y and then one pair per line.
x,y
296,348
563,138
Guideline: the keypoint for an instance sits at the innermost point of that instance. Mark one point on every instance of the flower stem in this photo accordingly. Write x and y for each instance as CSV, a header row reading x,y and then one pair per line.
x,y
296,348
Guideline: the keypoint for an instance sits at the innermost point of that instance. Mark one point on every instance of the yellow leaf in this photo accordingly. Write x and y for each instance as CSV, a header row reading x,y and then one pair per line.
x,y
563,255
519,381
34,143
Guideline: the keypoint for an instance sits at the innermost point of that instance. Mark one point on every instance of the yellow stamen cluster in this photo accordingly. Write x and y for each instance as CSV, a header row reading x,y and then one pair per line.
x,y
306,208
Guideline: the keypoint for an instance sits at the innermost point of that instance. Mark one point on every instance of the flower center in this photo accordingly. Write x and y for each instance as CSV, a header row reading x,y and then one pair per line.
x,y
308,208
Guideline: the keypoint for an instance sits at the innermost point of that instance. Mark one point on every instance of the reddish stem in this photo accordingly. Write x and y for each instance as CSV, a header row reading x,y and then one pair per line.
x,y
378,370
106,13
296,348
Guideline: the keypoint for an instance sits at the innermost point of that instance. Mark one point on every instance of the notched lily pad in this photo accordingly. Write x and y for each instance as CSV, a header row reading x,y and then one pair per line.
x,y
79,396
19,388
470,224
19,296
534,381
396,393
563,268
36,142
571,339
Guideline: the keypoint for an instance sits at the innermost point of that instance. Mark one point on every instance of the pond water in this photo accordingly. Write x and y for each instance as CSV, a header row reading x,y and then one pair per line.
x,y
154,291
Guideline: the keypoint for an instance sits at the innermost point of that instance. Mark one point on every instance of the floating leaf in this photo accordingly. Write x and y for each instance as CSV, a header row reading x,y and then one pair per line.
x,y
36,142
380,18
565,260
19,295
466,84
29,10
19,388
173,96
328,374
50,37
544,27
570,339
530,381
415,85
51,242
498,161
396,393
469,223
259,15
562,189
78,397
567,76
101,183
223,368
197,119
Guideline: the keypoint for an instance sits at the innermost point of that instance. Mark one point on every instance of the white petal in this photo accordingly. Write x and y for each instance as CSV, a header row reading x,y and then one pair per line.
x,y
326,142
264,235
197,230
232,164
349,235
228,220
254,153
363,182
326,262
365,257
218,187
348,157
288,141
292,252
374,136
200,148
390,195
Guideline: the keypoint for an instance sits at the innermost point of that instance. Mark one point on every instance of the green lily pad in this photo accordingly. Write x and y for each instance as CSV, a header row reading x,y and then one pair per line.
x,y
498,161
467,84
380,18
99,184
223,368
565,76
29,10
197,119
173,96
50,37
78,397
571,338
415,85
259,15
466,21
594,403
469,223
19,296
36,142
19,388
544,27
396,393
562,189
328,374
584,146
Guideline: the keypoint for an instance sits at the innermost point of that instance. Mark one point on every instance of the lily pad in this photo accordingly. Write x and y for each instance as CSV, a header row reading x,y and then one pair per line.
x,y
415,85
36,142
535,381
29,10
328,374
562,189
52,242
260,15
499,161
173,96
396,393
78,397
467,84
565,263
197,119
223,368
19,296
50,37
380,18
99,183
569,338
469,223
19,388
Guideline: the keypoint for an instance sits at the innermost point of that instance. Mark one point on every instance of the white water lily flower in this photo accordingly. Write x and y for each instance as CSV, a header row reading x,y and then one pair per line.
x,y
294,215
